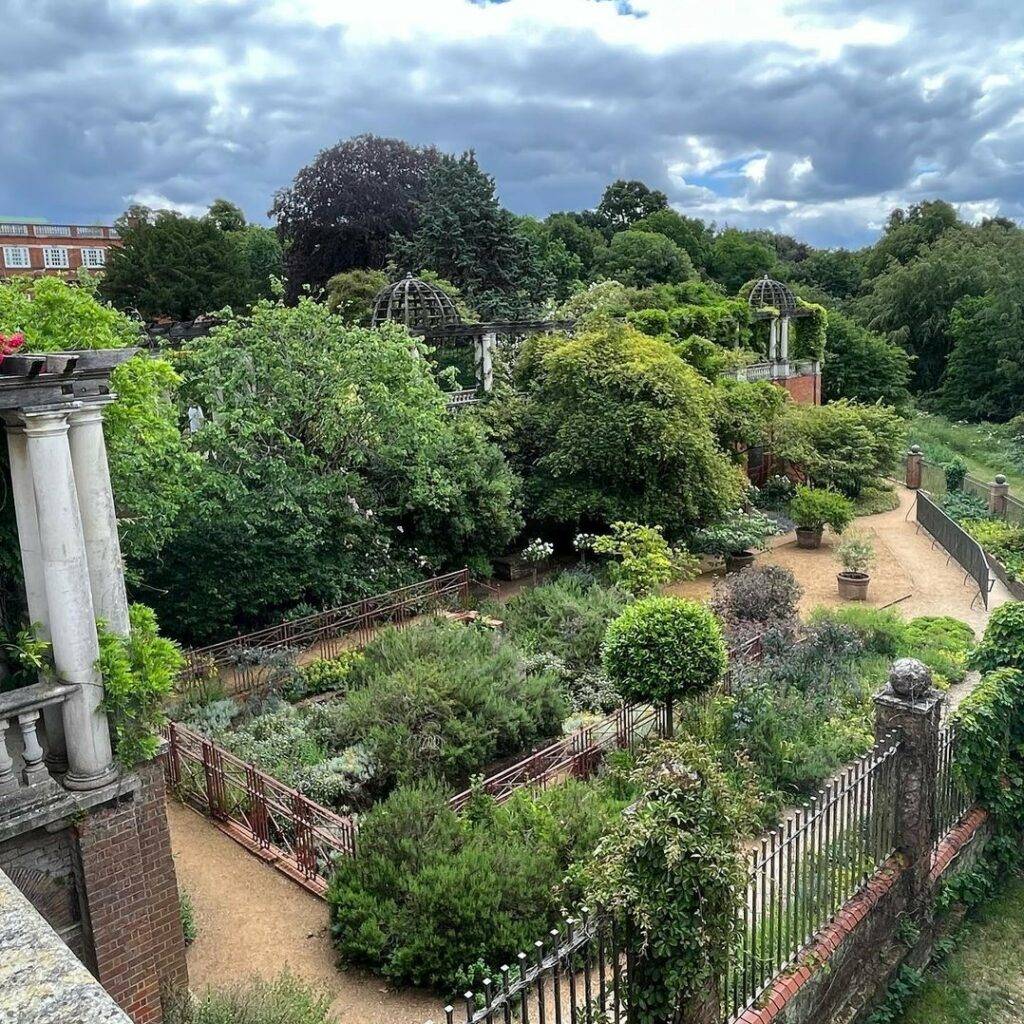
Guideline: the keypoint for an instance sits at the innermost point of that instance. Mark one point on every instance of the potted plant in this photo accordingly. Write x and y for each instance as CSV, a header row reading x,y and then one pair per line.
x,y
856,554
537,553
734,537
813,508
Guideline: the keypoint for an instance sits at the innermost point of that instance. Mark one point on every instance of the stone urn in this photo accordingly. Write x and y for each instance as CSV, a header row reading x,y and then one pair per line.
x,y
910,679
853,586
739,560
809,536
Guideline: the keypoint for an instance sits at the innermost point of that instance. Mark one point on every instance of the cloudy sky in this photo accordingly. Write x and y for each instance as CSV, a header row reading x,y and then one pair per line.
x,y
810,116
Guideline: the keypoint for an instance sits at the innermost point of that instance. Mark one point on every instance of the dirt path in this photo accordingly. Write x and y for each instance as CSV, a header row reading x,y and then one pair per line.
x,y
254,921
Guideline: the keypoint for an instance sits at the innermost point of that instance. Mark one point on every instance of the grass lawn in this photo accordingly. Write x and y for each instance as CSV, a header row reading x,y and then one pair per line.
x,y
981,445
983,981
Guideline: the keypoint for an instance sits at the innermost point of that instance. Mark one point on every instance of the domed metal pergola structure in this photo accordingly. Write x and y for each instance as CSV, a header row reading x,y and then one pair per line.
x,y
427,311
420,306
772,300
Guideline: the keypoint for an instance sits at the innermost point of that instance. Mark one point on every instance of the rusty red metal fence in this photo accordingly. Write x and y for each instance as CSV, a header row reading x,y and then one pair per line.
x,y
302,838
299,837
328,631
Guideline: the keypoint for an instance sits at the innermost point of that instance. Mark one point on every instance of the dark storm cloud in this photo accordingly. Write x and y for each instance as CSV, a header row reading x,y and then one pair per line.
x,y
188,101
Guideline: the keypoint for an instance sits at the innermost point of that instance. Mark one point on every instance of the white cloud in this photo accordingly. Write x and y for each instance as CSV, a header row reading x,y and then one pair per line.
x,y
158,201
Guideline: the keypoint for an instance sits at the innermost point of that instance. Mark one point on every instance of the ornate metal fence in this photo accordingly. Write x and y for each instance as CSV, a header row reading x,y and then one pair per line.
x,y
959,544
800,874
579,975
330,631
952,799
301,838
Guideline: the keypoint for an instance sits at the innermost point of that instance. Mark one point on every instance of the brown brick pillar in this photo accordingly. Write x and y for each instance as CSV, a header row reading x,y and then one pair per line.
x,y
914,462
131,898
910,707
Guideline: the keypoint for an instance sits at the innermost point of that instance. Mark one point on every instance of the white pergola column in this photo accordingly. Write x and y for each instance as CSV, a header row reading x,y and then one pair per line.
x,y
485,346
99,518
32,572
69,598
784,340
773,334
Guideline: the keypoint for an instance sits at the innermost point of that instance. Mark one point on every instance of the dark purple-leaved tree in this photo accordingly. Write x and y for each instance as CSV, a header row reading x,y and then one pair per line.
x,y
342,209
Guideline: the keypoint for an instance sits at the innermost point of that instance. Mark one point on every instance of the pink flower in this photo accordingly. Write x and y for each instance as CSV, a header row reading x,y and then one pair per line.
x,y
10,343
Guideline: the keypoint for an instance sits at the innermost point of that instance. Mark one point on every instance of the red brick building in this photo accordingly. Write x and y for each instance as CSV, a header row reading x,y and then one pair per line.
x,y
40,248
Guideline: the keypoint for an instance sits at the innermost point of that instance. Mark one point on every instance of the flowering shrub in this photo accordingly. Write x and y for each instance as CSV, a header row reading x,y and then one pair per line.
x,y
643,558
538,551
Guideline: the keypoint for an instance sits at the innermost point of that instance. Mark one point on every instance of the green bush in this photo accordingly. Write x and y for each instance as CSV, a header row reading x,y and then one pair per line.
x,y
1002,645
814,508
881,630
942,643
671,874
990,738
189,927
284,1000
956,473
446,699
756,600
566,617
433,893
664,647
1002,540
643,559
138,675
325,675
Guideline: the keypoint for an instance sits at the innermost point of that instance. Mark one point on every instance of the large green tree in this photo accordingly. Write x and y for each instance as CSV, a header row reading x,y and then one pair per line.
x,y
613,425
150,465
689,233
466,236
908,232
626,202
343,208
172,265
331,470
863,365
736,258
641,258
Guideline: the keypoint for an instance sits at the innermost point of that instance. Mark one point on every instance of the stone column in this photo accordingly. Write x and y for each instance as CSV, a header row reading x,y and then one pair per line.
x,y
485,346
99,519
69,599
784,339
915,463
32,570
911,707
998,491
773,334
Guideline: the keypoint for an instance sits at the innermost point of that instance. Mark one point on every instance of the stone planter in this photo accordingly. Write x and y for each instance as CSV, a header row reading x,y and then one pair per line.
x,y
853,586
809,536
739,560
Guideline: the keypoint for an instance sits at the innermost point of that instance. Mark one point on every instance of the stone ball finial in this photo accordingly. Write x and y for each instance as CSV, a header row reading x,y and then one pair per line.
x,y
910,678
915,449
1000,479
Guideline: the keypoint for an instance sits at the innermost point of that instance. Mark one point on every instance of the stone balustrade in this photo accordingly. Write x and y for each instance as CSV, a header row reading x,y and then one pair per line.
x,y
24,772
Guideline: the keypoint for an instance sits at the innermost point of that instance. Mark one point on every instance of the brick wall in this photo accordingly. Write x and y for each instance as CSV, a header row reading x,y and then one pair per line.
x,y
132,899
804,390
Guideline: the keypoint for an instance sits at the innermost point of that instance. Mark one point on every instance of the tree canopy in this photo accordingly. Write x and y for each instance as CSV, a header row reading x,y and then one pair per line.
x,y
342,209
613,425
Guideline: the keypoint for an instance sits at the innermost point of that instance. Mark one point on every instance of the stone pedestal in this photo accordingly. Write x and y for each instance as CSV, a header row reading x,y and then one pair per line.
x,y
998,491
915,465
911,708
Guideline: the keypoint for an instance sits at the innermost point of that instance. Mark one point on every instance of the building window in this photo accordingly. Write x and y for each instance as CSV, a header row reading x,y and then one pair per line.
x,y
55,257
16,257
94,257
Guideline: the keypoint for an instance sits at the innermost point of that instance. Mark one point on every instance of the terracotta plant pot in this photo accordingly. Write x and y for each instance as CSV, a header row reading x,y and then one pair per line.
x,y
738,561
853,586
809,536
